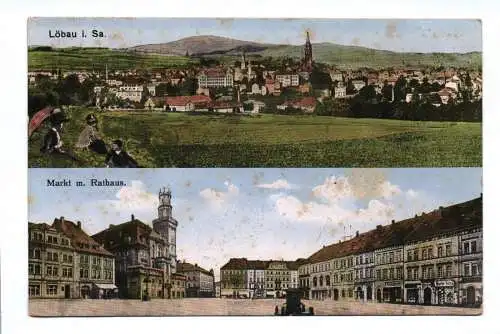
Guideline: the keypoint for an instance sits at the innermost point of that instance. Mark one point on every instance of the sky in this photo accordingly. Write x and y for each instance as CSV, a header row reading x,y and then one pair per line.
x,y
410,35
253,213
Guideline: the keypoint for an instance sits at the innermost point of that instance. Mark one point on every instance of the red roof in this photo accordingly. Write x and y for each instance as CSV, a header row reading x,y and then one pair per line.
x,y
184,100
309,101
80,240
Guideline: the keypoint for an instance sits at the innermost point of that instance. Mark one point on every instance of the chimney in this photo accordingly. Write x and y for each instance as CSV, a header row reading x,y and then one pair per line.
x,y
357,234
61,219
111,225
393,221
379,227
79,224
132,217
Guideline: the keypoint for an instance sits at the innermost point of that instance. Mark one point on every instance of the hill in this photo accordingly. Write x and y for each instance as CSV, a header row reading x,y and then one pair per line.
x,y
202,45
342,55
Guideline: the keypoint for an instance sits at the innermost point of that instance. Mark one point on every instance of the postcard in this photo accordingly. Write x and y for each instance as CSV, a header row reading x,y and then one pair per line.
x,y
267,242
201,92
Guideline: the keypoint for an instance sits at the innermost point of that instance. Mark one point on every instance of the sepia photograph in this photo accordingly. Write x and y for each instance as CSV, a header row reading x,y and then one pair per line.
x,y
206,92
255,242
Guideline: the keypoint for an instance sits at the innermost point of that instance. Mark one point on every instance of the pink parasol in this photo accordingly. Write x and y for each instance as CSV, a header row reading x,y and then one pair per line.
x,y
38,119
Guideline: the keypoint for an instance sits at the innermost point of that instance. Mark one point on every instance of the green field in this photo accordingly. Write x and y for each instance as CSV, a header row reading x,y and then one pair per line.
x,y
89,59
181,140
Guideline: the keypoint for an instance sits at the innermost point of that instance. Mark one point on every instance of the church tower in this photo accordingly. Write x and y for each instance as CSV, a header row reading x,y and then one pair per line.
x,y
308,54
243,61
166,226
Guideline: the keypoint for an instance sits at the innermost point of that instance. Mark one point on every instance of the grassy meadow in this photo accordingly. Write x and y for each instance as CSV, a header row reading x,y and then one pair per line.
x,y
183,140
97,58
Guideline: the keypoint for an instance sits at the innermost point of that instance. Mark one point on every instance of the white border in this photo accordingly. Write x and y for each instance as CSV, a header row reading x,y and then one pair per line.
x,y
14,161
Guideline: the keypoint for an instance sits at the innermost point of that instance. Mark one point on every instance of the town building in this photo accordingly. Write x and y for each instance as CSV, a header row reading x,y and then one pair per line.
x,y
256,274
145,256
186,103
215,77
287,79
65,262
199,282
233,278
130,92
434,258
340,91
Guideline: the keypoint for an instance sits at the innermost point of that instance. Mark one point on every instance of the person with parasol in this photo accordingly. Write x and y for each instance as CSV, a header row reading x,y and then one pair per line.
x,y
52,142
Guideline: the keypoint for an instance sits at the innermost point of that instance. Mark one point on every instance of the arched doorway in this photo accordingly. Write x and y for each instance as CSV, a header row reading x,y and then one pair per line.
x,y
335,294
369,293
379,295
427,296
471,295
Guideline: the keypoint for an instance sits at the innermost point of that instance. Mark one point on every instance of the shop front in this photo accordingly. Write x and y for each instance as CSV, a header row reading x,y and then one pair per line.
x,y
446,293
471,291
412,293
392,292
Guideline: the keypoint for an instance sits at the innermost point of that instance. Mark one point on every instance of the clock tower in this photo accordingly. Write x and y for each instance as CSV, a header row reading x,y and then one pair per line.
x,y
166,226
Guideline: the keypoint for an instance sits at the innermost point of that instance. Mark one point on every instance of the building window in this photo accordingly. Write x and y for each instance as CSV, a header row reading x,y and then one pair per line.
x,y
467,270
415,255
378,274
34,290
440,251
448,270
384,274
34,268
440,271
475,271
466,248
408,273
424,254
51,290
473,247
35,253
399,273
430,253
52,271
448,250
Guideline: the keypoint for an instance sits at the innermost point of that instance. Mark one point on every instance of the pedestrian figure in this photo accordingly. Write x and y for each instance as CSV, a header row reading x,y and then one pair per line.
x,y
52,142
118,157
89,137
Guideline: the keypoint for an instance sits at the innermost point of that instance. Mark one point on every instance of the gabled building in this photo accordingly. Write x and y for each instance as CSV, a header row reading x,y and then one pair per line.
x,y
200,283
65,262
145,256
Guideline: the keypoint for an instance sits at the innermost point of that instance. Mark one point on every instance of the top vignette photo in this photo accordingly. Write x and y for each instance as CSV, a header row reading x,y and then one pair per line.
x,y
160,92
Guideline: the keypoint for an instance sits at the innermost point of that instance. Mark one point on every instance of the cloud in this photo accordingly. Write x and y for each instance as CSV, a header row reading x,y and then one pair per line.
x,y
333,214
357,184
219,198
278,184
132,197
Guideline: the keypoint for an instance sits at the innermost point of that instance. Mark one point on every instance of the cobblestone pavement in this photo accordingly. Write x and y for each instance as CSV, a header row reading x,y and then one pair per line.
x,y
218,307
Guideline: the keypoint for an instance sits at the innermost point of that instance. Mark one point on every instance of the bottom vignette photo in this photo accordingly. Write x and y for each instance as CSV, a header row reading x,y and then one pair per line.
x,y
255,242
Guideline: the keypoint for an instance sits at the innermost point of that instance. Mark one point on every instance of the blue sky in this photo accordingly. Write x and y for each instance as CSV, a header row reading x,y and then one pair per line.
x,y
411,35
253,213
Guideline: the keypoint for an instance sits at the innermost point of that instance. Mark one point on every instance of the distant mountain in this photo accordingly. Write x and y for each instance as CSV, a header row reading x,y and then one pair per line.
x,y
202,45
341,55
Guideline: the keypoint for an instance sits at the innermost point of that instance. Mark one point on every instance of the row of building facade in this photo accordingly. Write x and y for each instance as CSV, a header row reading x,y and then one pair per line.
x,y
434,258
245,278
129,260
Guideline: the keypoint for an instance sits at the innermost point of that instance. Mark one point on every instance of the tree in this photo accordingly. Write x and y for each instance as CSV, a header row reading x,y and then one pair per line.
x,y
400,89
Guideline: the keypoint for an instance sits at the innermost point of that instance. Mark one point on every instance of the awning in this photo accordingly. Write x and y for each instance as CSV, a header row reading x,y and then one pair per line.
x,y
105,286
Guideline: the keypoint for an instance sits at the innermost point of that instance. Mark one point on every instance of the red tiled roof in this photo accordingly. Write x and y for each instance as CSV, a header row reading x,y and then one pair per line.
x,y
115,236
183,267
444,220
184,100
80,240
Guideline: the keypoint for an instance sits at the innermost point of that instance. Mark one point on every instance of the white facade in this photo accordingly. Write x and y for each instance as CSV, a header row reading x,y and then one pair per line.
x,y
288,80
132,93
